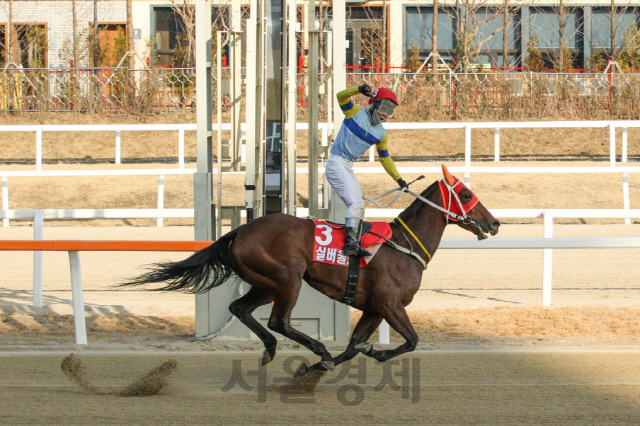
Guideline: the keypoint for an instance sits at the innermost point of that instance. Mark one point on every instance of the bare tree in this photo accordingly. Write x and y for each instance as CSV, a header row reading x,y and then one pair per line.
x,y
472,17
185,48
615,20
561,27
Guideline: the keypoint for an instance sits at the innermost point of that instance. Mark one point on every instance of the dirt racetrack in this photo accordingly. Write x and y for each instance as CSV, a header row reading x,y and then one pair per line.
x,y
433,388
489,354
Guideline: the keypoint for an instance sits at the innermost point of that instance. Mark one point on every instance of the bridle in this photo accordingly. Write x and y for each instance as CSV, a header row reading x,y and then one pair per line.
x,y
449,214
464,218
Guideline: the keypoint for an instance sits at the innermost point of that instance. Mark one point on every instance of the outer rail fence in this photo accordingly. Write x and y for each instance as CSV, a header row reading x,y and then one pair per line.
x,y
75,247
324,127
467,171
119,128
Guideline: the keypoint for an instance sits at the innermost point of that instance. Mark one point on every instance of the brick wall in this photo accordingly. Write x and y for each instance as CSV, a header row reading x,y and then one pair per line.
x,y
56,14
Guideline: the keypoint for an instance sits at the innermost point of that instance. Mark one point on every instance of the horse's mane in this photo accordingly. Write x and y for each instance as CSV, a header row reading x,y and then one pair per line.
x,y
416,204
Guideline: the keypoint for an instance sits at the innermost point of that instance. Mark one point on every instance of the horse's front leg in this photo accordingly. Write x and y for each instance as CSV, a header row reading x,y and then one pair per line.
x,y
364,328
398,320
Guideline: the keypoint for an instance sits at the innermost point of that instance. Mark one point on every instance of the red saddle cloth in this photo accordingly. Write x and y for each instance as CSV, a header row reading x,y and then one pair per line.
x,y
329,242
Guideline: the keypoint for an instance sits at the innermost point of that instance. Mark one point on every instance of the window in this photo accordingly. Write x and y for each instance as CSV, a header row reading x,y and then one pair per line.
x,y
30,45
174,35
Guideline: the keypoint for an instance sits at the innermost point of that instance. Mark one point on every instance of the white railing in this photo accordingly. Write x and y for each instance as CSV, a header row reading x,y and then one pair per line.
x,y
547,244
119,128
467,126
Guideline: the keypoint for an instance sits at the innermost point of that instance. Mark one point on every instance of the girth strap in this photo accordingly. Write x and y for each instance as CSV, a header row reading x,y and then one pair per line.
x,y
352,280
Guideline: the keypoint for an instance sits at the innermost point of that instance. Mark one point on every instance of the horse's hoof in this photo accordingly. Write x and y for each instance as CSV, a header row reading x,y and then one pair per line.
x,y
266,358
327,365
301,371
364,348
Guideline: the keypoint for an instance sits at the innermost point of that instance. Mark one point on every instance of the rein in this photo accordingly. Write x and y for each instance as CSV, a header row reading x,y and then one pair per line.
x,y
464,218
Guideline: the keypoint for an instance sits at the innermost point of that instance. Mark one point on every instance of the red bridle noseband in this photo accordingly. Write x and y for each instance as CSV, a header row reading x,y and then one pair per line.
x,y
455,211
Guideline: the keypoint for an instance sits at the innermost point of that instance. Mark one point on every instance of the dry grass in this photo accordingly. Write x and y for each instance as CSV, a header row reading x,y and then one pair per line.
x,y
513,322
501,191
403,143
488,323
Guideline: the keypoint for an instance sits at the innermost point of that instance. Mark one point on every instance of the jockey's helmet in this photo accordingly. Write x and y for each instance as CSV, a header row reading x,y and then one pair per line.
x,y
383,93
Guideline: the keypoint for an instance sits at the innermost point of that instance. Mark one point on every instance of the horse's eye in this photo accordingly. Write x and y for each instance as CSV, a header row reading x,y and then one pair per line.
x,y
466,197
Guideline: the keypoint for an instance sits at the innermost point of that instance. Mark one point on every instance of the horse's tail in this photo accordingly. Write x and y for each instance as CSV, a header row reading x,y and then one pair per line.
x,y
199,273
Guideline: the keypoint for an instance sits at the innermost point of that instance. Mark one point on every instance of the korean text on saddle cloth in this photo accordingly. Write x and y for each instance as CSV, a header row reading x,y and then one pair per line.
x,y
329,242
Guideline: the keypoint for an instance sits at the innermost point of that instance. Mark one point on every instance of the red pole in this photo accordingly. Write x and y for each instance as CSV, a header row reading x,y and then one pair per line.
x,y
224,61
300,63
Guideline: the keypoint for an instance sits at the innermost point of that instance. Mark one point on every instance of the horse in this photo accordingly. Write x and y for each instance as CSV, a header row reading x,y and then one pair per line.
x,y
274,254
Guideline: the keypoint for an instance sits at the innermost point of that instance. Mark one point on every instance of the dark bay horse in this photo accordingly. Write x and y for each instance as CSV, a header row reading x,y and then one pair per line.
x,y
274,254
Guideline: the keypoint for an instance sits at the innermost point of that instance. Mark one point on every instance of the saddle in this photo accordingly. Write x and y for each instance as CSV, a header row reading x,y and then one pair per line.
x,y
329,241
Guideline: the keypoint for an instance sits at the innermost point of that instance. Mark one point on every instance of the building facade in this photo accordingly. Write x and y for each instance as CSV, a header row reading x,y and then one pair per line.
x,y
389,35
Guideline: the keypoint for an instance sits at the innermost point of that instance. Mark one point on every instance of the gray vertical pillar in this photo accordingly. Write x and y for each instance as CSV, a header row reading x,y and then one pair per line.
x,y
255,122
235,43
525,26
312,87
202,179
342,313
273,161
587,36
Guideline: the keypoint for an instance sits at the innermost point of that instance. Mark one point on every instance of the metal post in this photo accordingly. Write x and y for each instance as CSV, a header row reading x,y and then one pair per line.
x,y
255,121
337,208
496,146
624,145
202,179
383,333
292,85
160,221
39,150
467,146
38,228
625,196
612,145
118,146
312,86
275,61
236,84
5,198
218,232
78,300
547,261
181,148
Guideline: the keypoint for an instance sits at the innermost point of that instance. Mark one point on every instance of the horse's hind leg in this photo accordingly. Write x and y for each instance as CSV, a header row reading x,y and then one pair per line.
x,y
280,321
242,309
398,320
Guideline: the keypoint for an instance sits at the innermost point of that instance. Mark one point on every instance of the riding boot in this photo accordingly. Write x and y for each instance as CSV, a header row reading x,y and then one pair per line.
x,y
352,246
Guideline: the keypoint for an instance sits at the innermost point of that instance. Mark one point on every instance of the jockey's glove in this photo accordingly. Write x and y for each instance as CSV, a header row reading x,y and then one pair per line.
x,y
402,183
365,89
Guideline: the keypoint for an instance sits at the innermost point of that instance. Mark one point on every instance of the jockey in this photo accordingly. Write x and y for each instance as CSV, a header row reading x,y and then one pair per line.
x,y
360,129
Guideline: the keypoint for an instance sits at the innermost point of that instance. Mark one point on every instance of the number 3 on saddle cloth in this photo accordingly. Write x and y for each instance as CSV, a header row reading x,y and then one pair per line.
x,y
329,242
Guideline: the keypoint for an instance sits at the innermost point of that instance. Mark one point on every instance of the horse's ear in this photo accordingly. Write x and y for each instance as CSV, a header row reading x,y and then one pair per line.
x,y
447,176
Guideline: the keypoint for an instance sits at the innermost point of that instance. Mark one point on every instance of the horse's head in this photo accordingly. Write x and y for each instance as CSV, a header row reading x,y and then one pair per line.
x,y
464,208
